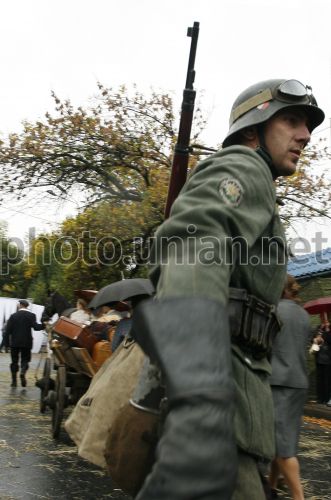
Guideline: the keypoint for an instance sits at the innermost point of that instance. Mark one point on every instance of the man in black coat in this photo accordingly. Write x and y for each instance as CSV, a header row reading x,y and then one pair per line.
x,y
19,337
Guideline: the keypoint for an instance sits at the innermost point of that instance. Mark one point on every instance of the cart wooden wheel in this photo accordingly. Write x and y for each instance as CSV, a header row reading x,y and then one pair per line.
x,y
45,387
59,400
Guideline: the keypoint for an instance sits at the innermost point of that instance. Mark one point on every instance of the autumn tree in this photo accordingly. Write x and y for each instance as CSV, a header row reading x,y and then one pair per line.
x,y
12,283
117,153
112,151
100,245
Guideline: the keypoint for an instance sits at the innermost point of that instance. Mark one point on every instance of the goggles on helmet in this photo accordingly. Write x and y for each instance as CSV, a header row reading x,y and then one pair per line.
x,y
293,89
290,91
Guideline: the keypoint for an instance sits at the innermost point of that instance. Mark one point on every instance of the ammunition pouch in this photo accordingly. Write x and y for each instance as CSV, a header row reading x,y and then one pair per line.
x,y
253,323
253,326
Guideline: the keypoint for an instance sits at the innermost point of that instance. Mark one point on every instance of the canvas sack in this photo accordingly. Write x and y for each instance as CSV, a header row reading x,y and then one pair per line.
x,y
91,421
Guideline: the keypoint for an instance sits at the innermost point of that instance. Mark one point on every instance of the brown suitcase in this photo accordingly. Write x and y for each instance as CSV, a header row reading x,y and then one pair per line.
x,y
101,352
80,334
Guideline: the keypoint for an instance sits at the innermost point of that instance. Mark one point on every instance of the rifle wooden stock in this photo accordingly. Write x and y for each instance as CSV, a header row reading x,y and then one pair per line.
x,y
182,147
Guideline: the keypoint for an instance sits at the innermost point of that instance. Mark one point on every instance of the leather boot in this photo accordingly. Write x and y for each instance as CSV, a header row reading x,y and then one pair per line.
x,y
189,340
23,379
13,379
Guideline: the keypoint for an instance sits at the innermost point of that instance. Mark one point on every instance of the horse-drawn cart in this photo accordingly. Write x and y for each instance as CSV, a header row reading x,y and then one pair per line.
x,y
75,354
76,351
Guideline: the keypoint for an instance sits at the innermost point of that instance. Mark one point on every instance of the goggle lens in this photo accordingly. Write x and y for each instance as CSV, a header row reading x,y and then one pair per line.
x,y
295,89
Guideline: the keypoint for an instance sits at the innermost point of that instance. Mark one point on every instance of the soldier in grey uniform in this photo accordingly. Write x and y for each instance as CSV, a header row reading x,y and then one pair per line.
x,y
219,267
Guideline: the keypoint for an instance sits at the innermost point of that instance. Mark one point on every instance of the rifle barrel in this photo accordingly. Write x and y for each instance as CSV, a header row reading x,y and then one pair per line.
x,y
182,148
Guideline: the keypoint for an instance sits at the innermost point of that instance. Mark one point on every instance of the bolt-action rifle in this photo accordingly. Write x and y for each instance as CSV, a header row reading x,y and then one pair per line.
x,y
182,147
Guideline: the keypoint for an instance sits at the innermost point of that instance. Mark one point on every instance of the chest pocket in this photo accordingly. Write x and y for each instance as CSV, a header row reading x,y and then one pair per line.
x,y
254,421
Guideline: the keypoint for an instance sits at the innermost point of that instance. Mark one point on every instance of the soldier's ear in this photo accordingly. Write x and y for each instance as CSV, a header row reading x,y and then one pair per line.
x,y
249,133
249,137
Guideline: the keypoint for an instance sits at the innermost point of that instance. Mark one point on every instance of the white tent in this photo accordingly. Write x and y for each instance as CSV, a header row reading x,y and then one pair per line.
x,y
9,306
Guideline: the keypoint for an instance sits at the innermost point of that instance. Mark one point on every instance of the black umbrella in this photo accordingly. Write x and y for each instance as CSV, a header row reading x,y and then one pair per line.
x,y
122,290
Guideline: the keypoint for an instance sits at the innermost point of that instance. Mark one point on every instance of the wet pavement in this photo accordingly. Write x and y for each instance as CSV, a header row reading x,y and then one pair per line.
x,y
35,466
32,464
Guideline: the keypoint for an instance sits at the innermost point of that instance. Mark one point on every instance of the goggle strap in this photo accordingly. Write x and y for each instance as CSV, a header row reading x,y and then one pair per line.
x,y
250,103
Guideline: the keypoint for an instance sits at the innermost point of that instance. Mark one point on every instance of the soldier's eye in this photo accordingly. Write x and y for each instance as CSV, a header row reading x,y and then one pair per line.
x,y
292,119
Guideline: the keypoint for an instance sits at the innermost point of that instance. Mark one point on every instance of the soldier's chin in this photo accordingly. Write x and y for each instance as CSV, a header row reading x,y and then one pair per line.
x,y
287,169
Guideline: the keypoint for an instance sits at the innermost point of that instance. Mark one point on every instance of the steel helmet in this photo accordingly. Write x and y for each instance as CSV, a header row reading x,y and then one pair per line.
x,y
261,101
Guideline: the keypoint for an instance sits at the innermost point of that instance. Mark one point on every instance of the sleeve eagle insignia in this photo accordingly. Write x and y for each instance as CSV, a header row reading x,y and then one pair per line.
x,y
231,191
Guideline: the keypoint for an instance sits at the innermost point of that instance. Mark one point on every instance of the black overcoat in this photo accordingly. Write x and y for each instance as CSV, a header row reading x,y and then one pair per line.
x,y
18,329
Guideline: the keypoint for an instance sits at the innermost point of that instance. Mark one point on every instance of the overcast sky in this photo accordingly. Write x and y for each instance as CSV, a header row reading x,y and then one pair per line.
x,y
69,45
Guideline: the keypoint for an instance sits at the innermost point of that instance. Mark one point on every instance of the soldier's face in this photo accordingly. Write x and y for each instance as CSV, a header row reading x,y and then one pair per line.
x,y
286,134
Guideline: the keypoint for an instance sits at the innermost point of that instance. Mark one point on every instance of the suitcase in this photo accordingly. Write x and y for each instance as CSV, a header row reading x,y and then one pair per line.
x,y
79,334
101,352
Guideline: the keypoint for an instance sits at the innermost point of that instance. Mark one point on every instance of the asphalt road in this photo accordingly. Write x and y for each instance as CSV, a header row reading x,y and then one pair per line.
x,y
32,464
35,466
